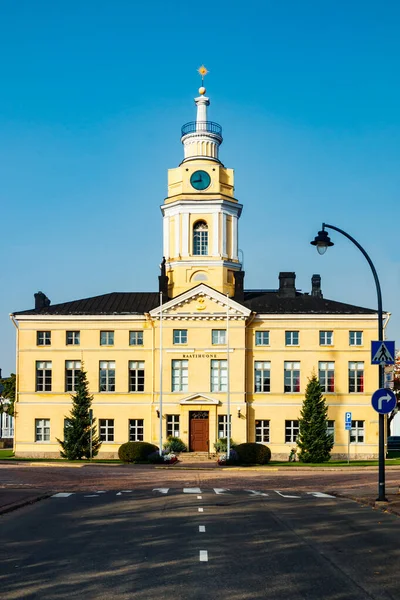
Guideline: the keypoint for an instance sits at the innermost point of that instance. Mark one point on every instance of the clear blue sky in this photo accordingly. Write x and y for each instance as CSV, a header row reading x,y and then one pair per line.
x,y
92,97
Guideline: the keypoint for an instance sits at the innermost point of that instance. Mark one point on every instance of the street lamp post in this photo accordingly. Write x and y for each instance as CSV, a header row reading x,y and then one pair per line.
x,y
322,241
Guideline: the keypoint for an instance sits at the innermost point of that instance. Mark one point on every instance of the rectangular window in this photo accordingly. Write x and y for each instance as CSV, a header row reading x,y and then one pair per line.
x,y
262,430
72,368
180,336
218,337
223,426
262,338
180,375
291,338
173,425
330,429
106,338
107,376
326,338
73,338
292,377
291,431
42,430
136,375
43,376
136,429
43,338
357,433
326,375
219,376
262,376
355,338
136,338
106,428
356,377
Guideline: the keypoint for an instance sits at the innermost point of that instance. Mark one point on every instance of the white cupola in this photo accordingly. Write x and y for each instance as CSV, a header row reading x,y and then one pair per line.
x,y
201,138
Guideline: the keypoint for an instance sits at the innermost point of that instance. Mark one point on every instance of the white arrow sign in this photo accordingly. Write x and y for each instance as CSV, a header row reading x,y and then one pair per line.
x,y
383,399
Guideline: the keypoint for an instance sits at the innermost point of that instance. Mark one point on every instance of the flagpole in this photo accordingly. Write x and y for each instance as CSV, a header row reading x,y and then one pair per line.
x,y
228,391
161,369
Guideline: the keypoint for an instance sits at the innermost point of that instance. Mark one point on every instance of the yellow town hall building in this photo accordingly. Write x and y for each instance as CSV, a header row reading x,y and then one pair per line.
x,y
226,354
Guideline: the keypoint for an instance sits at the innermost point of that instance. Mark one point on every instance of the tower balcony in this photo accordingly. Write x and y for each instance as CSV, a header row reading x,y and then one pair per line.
x,y
202,127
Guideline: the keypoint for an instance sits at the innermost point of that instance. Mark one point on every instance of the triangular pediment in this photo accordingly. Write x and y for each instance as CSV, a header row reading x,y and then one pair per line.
x,y
199,399
201,302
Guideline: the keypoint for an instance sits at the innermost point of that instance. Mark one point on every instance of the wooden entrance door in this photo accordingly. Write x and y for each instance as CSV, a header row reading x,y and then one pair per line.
x,y
198,427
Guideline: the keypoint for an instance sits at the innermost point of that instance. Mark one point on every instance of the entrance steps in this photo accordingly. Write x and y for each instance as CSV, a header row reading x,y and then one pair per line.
x,y
196,457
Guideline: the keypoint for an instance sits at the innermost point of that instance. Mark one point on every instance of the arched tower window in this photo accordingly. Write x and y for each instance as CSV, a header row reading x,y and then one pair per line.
x,y
200,238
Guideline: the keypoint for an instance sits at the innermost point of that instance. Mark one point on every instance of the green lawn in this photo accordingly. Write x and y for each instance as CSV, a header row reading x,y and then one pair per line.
x,y
6,454
336,463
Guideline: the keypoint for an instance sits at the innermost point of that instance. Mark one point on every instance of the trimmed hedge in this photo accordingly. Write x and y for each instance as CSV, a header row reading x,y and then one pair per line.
x,y
253,454
136,452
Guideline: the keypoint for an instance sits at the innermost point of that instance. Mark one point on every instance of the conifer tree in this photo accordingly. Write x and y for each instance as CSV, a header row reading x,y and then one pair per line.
x,y
79,433
314,442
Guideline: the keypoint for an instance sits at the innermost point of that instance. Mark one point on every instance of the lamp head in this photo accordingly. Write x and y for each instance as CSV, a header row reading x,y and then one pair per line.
x,y
322,241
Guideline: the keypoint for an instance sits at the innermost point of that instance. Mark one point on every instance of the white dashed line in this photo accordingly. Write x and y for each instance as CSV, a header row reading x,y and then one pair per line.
x,y
100,492
202,528
320,495
285,495
200,509
161,490
118,494
191,490
62,495
199,497
91,496
203,556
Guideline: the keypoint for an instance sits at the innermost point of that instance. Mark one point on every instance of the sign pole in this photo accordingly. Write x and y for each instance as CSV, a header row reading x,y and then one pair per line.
x,y
348,447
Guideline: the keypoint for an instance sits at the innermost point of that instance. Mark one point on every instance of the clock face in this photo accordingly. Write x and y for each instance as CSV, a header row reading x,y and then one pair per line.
x,y
200,180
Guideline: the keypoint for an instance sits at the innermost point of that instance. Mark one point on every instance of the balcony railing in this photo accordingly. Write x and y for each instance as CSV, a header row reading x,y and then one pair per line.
x,y
202,126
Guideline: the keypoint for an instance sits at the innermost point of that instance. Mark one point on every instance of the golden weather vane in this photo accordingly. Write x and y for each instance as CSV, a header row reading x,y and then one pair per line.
x,y
203,72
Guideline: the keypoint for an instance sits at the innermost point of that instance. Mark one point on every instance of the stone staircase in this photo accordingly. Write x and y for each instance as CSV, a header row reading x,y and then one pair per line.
x,y
197,457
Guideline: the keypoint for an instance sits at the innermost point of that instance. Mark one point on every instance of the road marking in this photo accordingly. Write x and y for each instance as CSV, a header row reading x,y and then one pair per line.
x,y
202,528
191,490
203,556
199,497
100,492
285,495
62,495
118,494
127,491
255,493
161,490
220,490
91,496
201,509
320,495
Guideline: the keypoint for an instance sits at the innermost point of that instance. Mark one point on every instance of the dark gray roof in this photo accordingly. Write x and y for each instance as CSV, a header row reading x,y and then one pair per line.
x,y
260,301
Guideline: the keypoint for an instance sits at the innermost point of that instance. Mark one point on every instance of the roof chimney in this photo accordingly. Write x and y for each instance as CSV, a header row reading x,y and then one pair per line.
x,y
238,294
287,288
316,286
41,301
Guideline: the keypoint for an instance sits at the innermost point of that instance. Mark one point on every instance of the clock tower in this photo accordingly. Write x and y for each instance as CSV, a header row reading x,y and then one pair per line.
x,y
200,213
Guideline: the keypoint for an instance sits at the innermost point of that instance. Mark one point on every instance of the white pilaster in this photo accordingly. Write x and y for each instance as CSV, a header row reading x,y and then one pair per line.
x,y
185,234
224,244
166,237
215,245
177,236
234,237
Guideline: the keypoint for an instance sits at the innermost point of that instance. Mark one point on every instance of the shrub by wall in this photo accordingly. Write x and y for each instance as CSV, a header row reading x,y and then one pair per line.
x,y
174,444
253,454
136,452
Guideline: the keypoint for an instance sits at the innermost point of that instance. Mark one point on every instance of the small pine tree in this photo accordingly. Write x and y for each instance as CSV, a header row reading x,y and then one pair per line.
x,y
314,442
76,444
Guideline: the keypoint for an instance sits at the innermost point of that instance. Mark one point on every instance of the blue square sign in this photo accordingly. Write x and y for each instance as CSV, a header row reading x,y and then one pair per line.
x,y
382,353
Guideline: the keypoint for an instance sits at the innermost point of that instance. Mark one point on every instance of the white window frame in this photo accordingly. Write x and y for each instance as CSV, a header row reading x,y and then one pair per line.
x,y
357,373
218,337
180,336
107,376
223,426
262,338
45,368
136,430
43,338
326,375
136,338
72,368
357,432
106,430
330,428
292,338
107,338
326,338
262,377
291,375
136,376
219,375
72,338
173,426
291,431
180,375
42,430
200,239
356,338
262,431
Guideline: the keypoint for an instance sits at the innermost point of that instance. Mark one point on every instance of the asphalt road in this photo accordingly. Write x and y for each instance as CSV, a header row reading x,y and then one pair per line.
x,y
243,545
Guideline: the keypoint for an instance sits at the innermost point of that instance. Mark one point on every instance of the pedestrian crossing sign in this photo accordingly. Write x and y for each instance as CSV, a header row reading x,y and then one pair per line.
x,y
382,353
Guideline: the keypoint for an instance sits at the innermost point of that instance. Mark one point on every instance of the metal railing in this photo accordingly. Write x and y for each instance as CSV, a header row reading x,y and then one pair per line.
x,y
202,126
